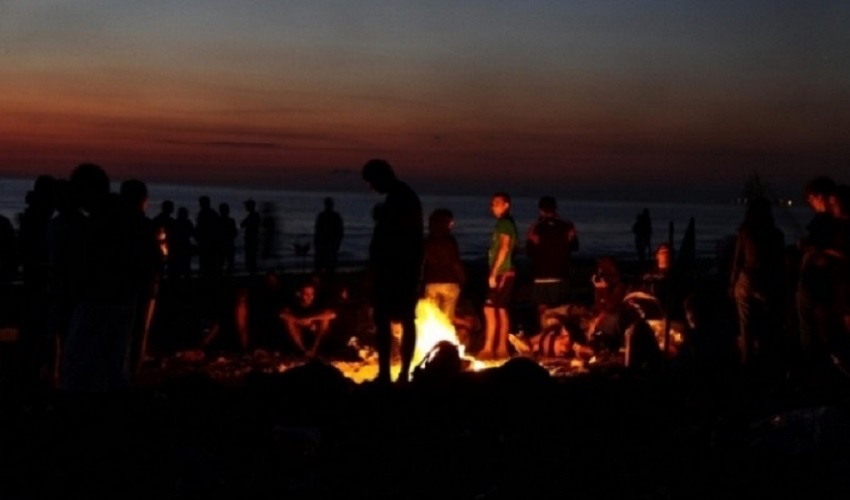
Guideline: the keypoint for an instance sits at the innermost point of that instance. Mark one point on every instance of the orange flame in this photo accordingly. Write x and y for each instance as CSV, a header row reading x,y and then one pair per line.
x,y
432,326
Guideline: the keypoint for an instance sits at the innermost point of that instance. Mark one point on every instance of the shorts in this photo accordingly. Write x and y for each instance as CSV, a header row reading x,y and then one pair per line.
x,y
500,296
548,293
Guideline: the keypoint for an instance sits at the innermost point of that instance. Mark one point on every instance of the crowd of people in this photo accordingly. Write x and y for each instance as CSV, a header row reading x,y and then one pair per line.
x,y
93,265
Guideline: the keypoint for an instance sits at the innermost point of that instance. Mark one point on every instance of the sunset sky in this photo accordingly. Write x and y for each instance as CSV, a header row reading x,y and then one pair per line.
x,y
678,97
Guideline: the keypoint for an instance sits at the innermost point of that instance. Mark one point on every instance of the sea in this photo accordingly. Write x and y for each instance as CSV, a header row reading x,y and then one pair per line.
x,y
603,227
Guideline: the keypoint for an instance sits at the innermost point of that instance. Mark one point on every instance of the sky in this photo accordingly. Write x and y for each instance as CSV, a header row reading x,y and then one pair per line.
x,y
597,98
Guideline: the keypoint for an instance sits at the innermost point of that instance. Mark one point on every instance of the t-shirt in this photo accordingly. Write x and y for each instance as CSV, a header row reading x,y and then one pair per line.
x,y
549,246
504,225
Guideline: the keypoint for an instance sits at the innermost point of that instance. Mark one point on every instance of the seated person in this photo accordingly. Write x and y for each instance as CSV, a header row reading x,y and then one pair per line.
x,y
555,340
642,351
606,326
307,318
548,344
657,281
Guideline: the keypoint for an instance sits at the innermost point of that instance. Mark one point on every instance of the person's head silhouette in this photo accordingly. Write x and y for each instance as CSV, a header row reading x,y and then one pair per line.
x,y
379,174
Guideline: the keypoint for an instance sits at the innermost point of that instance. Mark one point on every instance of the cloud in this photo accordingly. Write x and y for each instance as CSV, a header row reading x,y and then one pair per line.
x,y
227,144
246,145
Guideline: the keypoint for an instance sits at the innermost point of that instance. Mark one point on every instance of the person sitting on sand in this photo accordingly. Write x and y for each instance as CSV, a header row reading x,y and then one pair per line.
x,y
656,282
608,307
547,344
307,318
552,342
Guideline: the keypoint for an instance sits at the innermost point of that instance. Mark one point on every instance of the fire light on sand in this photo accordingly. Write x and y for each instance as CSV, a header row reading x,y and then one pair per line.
x,y
432,326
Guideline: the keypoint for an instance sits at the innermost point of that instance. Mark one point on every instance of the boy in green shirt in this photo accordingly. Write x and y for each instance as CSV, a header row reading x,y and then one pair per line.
x,y
500,279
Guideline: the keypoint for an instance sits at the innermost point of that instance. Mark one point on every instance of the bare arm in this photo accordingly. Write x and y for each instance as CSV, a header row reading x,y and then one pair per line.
x,y
325,315
501,255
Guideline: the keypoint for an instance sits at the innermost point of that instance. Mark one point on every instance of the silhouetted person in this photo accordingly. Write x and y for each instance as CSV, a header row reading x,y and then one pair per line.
x,y
144,264
33,231
32,240
838,322
8,250
606,326
814,293
8,268
307,320
549,243
180,246
443,273
251,230
685,260
327,238
207,236
642,354
756,284
65,248
96,357
500,279
258,314
227,238
658,280
163,224
708,355
642,229
269,225
395,263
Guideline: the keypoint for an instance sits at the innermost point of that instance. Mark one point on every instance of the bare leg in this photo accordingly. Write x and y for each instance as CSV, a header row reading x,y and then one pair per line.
x,y
450,302
295,335
408,346
489,332
383,342
321,332
503,326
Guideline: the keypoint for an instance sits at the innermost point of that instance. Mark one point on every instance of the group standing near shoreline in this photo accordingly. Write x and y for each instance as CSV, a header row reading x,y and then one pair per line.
x,y
92,265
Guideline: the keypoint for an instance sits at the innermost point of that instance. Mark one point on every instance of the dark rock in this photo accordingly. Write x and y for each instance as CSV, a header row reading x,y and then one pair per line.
x,y
441,365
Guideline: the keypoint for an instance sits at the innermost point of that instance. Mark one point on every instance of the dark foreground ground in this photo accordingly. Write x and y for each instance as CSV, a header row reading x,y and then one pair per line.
x,y
511,432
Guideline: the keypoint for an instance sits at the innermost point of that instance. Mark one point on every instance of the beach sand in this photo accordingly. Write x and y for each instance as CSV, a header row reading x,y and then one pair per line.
x,y
508,432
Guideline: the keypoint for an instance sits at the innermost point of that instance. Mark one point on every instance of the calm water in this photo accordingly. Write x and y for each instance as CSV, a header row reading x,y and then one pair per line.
x,y
604,228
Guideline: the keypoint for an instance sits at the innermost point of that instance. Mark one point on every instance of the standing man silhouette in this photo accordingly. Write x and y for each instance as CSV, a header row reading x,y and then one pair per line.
x,y
550,242
206,235
395,262
642,229
251,227
327,238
